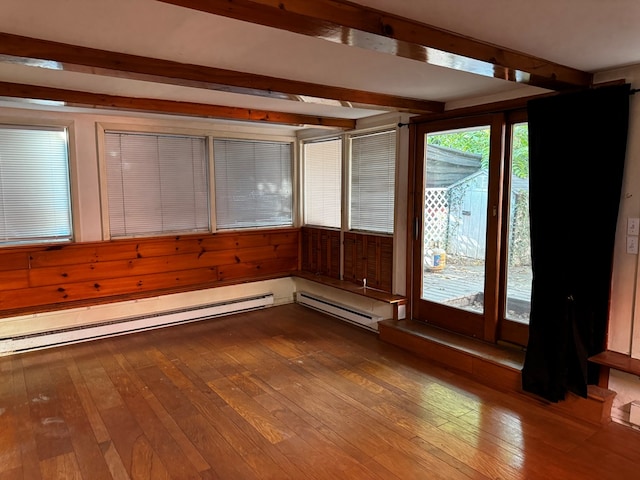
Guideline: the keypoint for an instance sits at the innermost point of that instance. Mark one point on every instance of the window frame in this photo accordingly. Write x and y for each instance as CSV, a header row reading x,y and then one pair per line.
x,y
346,163
303,180
74,215
491,325
347,183
103,129
294,175
210,135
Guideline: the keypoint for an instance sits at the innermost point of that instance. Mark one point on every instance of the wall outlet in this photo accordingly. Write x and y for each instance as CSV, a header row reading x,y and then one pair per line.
x,y
632,245
633,226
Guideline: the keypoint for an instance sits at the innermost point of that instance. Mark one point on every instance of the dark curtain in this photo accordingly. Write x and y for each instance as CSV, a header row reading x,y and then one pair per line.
x,y
577,146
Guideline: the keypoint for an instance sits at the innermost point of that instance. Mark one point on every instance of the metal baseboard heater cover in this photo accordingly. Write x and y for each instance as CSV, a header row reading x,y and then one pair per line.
x,y
140,323
344,312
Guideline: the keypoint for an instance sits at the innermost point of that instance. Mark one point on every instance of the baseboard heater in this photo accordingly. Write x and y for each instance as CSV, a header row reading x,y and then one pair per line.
x,y
140,323
344,312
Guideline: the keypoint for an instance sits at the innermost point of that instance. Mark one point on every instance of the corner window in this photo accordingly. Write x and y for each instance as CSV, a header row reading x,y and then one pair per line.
x,y
322,166
253,183
156,184
35,203
373,179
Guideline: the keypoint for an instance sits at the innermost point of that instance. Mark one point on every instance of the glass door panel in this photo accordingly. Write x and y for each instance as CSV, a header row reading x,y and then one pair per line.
x,y
518,268
456,192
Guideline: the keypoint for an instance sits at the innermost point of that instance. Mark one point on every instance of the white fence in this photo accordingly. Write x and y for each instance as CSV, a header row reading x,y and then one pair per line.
x,y
455,218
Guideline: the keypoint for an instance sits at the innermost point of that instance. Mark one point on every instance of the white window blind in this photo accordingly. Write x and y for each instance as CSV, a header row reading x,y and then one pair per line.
x,y
373,162
253,183
35,200
156,184
323,182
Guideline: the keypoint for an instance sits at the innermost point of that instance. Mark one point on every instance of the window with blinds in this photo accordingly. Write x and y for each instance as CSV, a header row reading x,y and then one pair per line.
x,y
372,195
253,181
323,182
35,198
156,184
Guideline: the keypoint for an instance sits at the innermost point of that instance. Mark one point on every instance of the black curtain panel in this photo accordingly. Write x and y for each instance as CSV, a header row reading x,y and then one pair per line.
x,y
577,148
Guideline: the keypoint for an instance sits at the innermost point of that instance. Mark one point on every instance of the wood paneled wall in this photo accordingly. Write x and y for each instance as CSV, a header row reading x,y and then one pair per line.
x,y
37,278
365,256
321,251
370,257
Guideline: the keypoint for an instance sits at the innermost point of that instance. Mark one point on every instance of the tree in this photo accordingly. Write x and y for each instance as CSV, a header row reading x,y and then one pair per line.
x,y
477,141
520,153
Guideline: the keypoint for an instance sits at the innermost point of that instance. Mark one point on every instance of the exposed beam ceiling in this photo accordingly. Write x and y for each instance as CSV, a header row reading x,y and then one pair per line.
x,y
60,56
351,24
87,99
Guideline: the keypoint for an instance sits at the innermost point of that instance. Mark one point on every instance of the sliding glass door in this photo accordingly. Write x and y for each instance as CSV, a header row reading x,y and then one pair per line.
x,y
471,263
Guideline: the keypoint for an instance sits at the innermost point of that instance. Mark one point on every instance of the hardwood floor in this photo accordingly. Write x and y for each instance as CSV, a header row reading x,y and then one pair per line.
x,y
280,393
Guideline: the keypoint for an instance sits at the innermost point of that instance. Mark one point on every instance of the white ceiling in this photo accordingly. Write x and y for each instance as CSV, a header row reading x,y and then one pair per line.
x,y
591,35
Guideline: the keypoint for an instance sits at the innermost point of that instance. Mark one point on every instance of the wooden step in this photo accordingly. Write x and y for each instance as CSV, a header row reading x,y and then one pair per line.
x,y
499,366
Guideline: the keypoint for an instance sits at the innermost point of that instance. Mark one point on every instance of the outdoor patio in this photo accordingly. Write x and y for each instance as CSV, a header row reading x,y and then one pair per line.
x,y
461,284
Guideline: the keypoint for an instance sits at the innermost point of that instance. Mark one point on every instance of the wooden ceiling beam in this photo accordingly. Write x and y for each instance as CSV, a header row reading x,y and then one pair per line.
x,y
98,100
356,25
61,56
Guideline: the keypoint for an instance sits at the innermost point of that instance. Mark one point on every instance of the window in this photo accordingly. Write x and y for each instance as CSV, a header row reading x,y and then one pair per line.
x,y
156,184
253,183
372,201
519,273
35,199
323,182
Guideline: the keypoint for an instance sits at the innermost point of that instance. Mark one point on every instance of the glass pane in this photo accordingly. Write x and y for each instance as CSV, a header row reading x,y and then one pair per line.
x,y
455,217
253,183
156,184
373,180
519,273
323,183
35,199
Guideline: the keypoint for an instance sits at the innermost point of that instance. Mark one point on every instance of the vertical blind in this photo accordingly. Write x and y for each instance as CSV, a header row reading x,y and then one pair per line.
x,y
35,199
253,183
156,184
323,182
373,164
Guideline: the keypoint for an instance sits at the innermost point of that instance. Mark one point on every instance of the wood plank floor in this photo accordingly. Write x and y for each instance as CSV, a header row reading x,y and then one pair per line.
x,y
282,393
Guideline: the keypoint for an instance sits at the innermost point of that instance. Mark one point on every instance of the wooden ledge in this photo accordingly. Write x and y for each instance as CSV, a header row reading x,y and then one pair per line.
x,y
493,365
352,288
499,366
507,356
618,361
379,295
